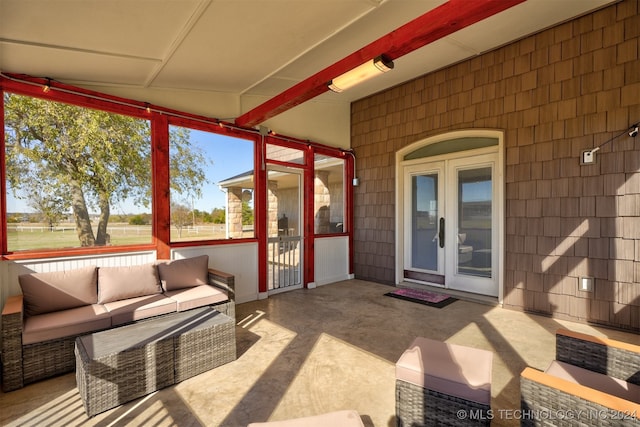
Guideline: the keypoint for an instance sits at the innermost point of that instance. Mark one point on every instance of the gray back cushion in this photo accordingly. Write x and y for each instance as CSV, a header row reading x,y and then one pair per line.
x,y
118,283
59,290
184,273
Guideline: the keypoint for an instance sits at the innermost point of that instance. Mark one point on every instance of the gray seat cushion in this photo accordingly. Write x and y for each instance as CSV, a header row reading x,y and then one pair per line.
x,y
129,310
65,323
197,296
451,369
613,386
346,418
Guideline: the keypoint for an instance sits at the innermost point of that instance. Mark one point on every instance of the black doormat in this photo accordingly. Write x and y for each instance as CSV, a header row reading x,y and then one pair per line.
x,y
431,299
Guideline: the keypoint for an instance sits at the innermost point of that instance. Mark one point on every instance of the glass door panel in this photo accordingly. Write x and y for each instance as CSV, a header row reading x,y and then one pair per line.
x,y
424,222
472,225
424,234
475,210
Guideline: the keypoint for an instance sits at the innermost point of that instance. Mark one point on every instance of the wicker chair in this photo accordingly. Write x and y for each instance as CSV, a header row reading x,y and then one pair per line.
x,y
23,364
593,381
443,384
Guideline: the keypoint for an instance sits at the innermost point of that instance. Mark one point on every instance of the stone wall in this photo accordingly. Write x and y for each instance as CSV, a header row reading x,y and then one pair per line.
x,y
554,94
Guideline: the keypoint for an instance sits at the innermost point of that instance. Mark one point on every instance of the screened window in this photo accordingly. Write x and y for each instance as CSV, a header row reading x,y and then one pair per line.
x,y
75,176
211,181
329,195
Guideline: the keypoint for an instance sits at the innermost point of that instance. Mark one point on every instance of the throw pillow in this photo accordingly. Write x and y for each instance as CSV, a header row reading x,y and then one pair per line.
x,y
59,290
118,283
184,273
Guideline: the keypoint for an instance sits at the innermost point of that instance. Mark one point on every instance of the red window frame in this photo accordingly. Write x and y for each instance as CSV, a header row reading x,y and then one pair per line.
x,y
160,119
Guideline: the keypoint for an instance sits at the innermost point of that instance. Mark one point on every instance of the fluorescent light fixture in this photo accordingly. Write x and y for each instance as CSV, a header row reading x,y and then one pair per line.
x,y
361,73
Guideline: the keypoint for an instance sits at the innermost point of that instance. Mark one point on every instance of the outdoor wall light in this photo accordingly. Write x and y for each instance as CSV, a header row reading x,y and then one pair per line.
x,y
363,72
586,284
588,157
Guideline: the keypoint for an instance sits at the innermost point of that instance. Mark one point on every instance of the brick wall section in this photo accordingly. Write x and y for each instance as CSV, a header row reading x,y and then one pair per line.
x,y
556,93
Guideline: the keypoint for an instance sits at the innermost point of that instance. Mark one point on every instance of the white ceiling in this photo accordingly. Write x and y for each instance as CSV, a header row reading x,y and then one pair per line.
x,y
221,58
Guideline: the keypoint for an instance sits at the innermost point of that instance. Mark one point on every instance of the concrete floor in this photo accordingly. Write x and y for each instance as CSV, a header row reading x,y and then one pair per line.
x,y
307,352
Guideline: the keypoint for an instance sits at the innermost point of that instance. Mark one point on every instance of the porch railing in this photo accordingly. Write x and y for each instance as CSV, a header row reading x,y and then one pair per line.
x,y
284,262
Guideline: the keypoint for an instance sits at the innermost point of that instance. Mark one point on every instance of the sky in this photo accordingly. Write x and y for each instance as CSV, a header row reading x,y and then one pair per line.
x,y
230,157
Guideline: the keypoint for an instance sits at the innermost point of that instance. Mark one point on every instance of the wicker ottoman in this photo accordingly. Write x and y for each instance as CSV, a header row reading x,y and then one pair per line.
x,y
206,343
121,364
443,384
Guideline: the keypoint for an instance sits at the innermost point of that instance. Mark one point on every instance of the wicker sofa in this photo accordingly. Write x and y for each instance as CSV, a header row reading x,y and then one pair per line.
x,y
39,327
592,381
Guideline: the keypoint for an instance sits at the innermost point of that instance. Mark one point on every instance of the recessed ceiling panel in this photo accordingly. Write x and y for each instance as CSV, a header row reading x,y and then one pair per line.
x,y
125,27
238,43
65,65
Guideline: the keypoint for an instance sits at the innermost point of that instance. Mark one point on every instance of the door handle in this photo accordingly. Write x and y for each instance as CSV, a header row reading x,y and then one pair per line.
x,y
441,232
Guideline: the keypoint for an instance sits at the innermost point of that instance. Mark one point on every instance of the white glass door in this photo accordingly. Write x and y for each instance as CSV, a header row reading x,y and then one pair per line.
x,y
450,224
472,229
424,247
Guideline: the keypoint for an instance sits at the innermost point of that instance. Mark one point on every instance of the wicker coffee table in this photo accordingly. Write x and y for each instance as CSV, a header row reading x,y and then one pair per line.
x,y
121,364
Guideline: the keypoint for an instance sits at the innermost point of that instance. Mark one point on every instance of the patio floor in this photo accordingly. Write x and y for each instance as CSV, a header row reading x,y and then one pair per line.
x,y
307,352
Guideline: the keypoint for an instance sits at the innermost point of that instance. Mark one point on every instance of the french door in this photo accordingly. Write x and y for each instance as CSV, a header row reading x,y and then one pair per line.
x,y
451,224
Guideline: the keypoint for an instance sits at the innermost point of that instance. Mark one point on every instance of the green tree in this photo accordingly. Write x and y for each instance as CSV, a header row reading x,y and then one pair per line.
x,y
92,158
14,219
51,208
186,181
247,214
206,217
218,215
139,219
180,217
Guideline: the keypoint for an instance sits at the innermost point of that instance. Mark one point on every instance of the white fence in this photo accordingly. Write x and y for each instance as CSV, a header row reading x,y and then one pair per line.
x,y
124,229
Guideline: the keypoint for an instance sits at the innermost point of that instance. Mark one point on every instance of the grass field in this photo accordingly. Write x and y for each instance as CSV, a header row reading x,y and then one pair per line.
x,y
21,237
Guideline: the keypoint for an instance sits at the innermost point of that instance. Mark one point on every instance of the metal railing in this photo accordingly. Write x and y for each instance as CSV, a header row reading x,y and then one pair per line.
x,y
284,262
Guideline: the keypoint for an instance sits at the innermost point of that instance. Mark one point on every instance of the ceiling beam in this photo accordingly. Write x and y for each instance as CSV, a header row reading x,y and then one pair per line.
x,y
433,25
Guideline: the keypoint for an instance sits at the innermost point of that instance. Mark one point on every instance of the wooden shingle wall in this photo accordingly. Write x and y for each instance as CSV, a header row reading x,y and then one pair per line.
x,y
556,93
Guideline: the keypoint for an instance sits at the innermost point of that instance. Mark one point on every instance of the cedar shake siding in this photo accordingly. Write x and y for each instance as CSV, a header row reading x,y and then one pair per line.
x,y
566,89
